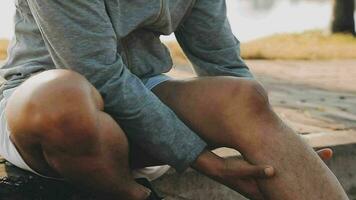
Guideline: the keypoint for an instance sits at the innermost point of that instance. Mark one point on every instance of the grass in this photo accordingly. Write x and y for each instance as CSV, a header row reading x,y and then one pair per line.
x,y
310,45
3,49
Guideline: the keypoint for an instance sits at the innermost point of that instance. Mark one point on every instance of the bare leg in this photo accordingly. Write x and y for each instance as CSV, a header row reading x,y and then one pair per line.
x,y
235,113
58,125
57,135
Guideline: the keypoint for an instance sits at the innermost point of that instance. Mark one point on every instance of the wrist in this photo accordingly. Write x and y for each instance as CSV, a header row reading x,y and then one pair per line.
x,y
209,164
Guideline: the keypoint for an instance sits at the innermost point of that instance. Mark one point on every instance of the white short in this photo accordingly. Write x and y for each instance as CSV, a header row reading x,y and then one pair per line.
x,y
11,154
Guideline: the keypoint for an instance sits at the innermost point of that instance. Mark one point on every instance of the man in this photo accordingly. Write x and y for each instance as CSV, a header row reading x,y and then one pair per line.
x,y
89,67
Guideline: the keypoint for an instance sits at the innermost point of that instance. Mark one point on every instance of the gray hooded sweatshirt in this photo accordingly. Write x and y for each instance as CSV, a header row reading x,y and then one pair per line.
x,y
115,44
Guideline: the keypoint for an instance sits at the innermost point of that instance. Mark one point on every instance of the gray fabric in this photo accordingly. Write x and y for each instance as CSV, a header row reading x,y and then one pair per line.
x,y
114,43
208,42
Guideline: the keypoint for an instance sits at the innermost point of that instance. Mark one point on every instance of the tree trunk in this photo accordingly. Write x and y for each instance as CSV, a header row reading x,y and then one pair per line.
x,y
343,17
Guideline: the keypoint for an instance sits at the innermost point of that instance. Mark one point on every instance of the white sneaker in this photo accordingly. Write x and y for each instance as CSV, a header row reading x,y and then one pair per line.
x,y
151,173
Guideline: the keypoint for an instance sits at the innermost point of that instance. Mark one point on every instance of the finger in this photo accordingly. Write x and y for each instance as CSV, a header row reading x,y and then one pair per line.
x,y
325,154
242,169
252,171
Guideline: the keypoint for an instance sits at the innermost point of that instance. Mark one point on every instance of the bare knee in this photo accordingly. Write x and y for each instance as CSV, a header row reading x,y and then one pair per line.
x,y
245,98
52,104
256,96
62,85
245,107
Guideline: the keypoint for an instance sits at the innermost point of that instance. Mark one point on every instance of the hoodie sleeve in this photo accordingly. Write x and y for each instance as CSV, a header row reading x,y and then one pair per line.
x,y
79,36
207,40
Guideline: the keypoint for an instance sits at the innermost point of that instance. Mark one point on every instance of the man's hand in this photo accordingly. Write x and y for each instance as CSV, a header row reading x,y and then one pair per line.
x,y
240,175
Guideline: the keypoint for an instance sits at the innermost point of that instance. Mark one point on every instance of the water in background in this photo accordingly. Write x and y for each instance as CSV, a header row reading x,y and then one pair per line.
x,y
7,9
252,19
249,19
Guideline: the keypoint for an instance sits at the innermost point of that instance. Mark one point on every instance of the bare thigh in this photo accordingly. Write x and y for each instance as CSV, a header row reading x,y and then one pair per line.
x,y
204,104
48,92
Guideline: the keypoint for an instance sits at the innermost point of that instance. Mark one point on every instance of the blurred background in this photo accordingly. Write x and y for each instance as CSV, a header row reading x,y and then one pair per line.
x,y
252,20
